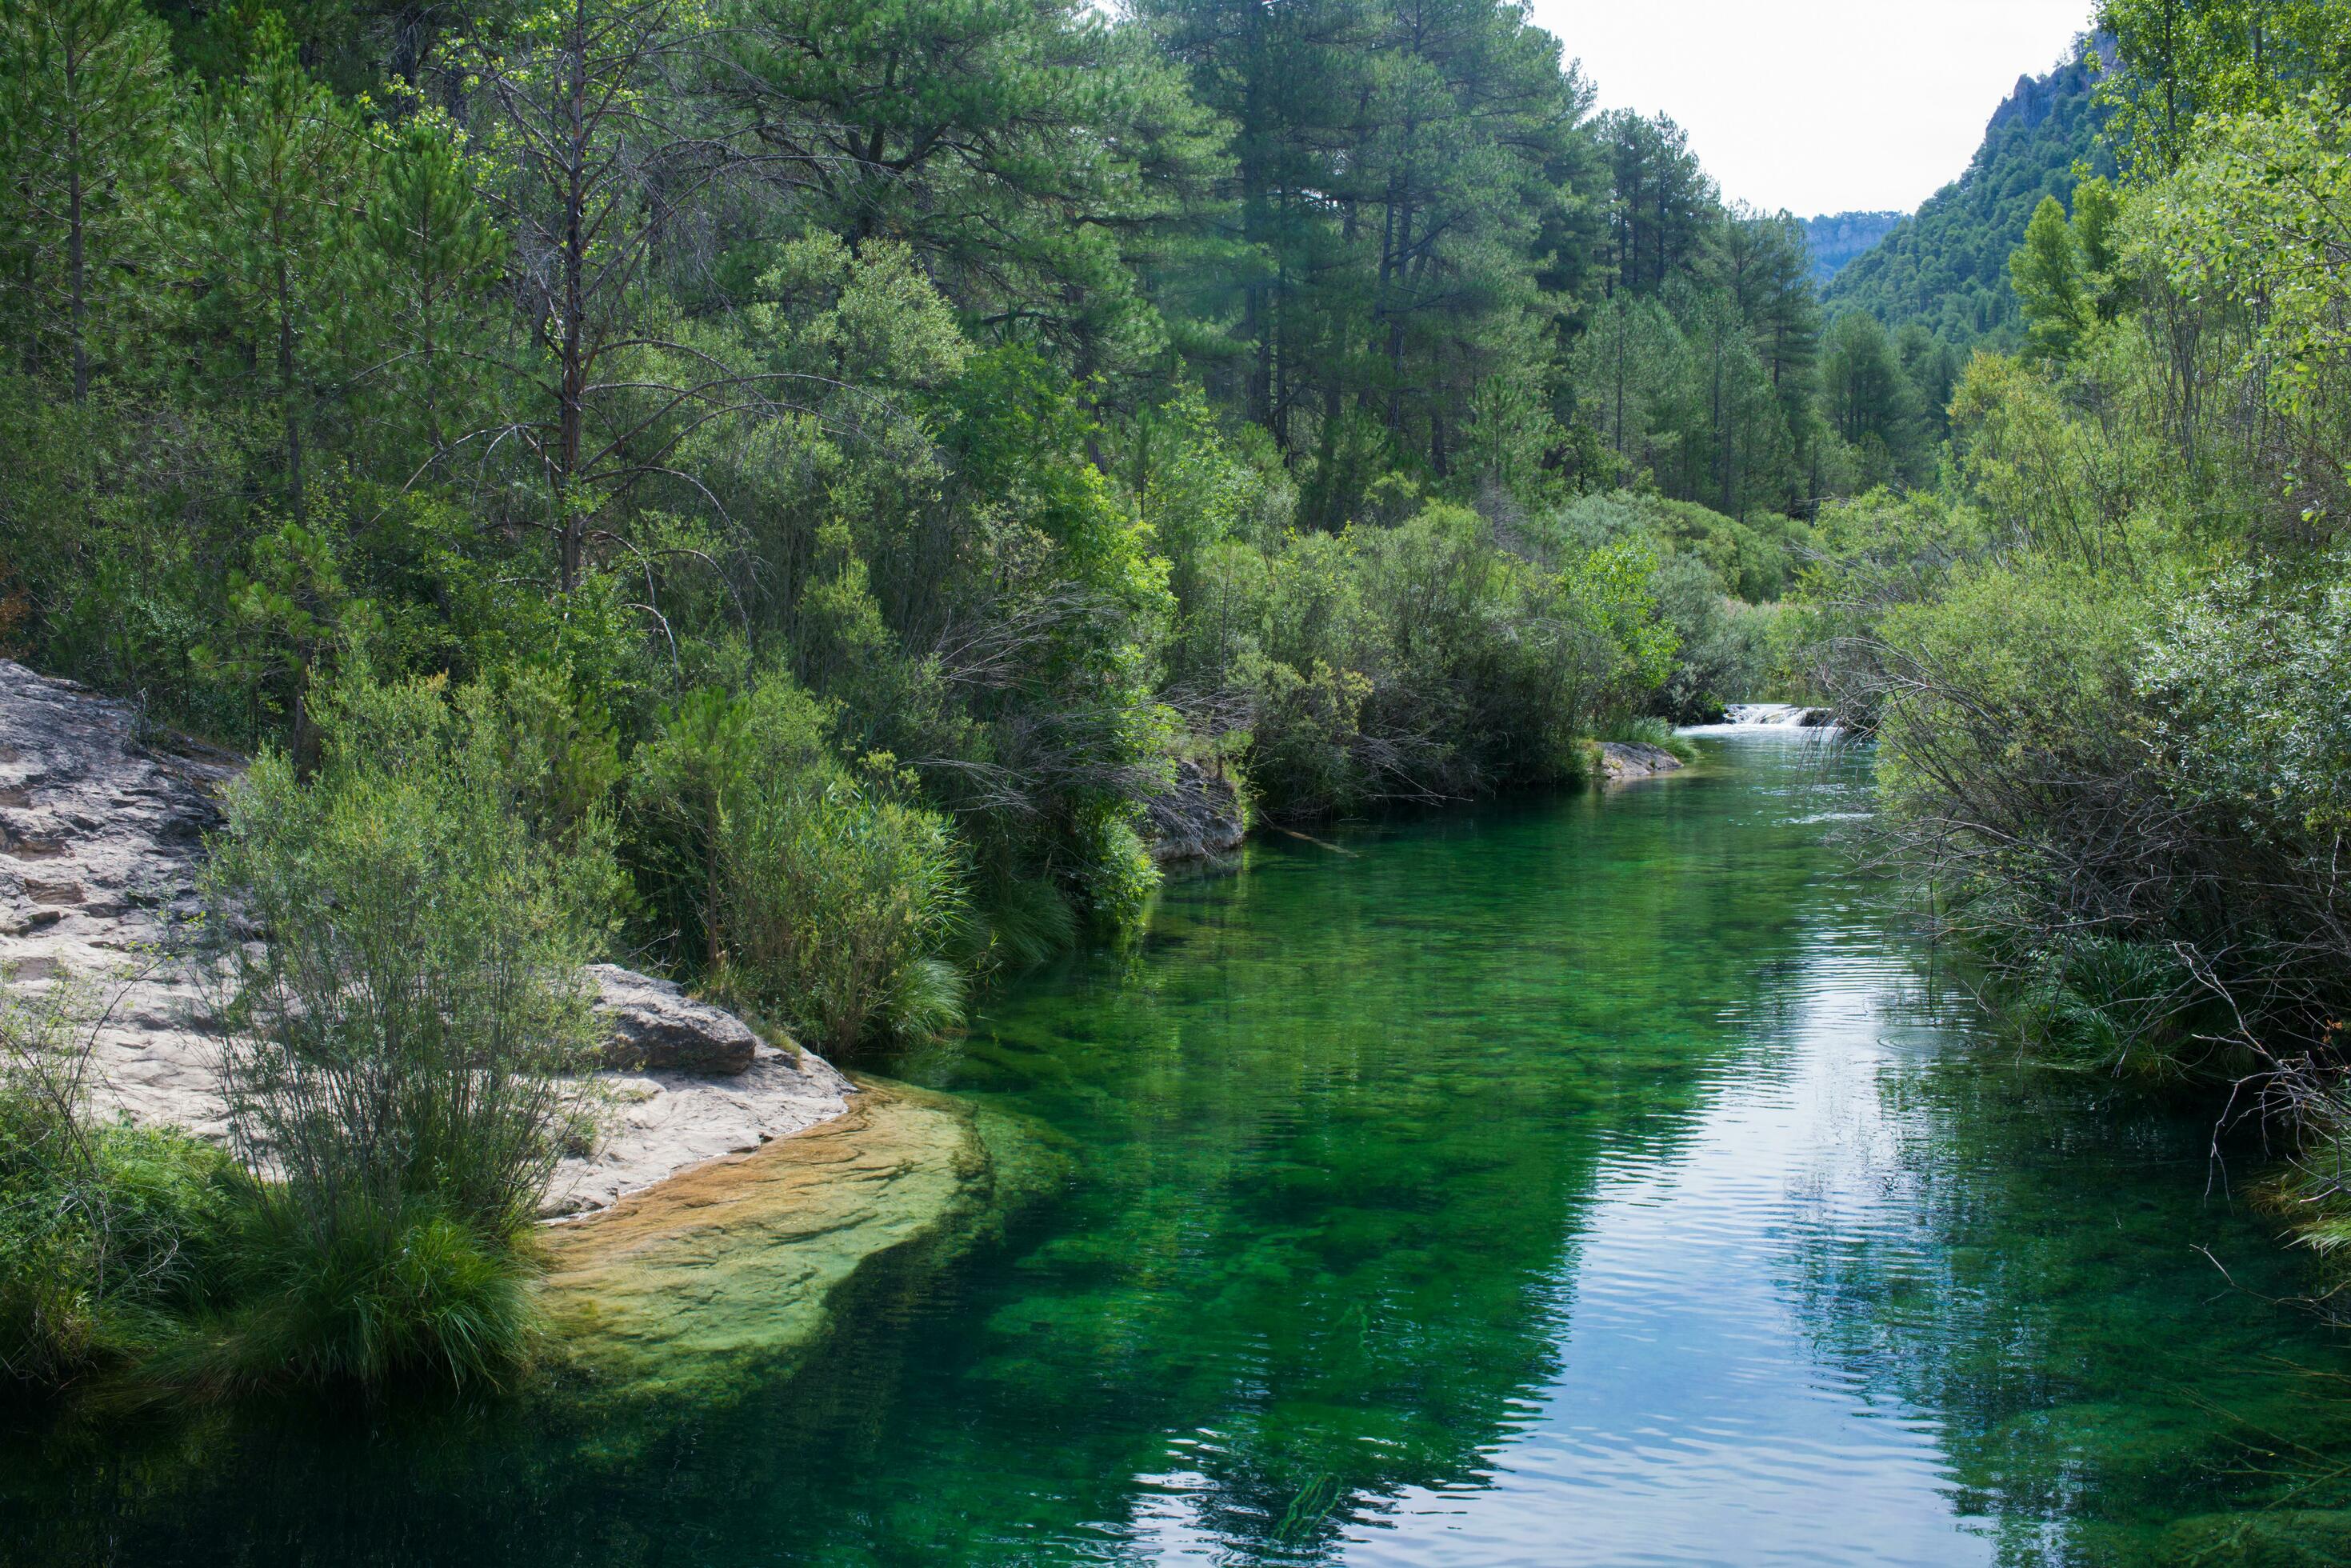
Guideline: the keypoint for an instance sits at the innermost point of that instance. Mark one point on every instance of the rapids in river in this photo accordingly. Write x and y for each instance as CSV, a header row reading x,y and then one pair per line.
x,y
1599,1179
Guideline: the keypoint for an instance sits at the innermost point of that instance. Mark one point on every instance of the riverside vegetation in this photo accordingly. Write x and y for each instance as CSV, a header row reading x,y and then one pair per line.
x,y
777,487
2106,657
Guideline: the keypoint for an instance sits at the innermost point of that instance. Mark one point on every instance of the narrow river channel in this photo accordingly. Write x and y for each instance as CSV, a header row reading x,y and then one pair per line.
x,y
1596,1180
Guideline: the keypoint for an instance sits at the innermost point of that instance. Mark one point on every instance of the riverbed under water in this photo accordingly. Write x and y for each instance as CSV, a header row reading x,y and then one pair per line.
x,y
1596,1180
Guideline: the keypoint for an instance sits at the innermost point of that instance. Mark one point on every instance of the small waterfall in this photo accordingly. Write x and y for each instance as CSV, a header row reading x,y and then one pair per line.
x,y
1773,715
1779,713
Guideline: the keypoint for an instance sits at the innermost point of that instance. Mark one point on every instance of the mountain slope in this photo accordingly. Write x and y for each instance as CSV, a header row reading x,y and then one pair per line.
x,y
1838,238
1948,265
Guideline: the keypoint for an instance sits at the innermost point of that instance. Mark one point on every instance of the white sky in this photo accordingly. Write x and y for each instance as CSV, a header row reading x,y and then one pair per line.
x,y
1818,106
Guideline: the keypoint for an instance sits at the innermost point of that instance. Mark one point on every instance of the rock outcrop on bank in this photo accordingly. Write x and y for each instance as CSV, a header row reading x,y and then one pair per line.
x,y
101,835
1200,817
1621,761
686,1082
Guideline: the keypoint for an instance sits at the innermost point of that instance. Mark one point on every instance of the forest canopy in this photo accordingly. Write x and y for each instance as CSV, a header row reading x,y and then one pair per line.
x,y
1028,401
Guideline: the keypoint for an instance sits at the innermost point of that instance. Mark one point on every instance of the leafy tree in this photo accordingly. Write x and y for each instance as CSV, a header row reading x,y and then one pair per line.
x,y
1867,399
591,161
2175,60
1025,149
430,261
1661,205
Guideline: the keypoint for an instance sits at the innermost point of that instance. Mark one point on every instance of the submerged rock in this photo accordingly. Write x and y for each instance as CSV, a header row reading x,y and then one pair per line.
x,y
732,1265
1623,760
1200,817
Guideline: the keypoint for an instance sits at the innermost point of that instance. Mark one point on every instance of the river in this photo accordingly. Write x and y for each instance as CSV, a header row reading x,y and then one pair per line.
x,y
1595,1180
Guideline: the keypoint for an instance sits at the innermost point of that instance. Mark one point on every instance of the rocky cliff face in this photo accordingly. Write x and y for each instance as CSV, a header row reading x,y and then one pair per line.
x,y
2033,100
1836,238
101,834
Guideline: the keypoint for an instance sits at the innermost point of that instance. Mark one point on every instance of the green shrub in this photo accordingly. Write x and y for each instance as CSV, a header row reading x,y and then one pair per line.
x,y
2127,1007
834,903
106,1231
1647,729
404,1053
817,898
1429,658
414,1294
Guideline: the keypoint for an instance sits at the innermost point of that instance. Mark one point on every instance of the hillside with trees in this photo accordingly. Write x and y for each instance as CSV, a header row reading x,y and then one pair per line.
x,y
1945,266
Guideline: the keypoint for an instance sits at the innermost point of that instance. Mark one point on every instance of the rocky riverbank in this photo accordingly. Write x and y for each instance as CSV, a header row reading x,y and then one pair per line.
x,y
732,1264
1200,818
1621,761
101,830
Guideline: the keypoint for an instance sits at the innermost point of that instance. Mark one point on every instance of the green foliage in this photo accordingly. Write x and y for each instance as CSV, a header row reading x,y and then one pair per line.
x,y
2177,62
2109,686
2116,1007
2253,712
278,162
106,1233
823,900
1026,151
406,1049
2051,275
1870,402
373,1298
85,129
1712,575
2252,227
1426,659
1648,729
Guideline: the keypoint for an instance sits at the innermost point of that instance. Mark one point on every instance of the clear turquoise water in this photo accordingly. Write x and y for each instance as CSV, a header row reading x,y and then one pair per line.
x,y
1587,1181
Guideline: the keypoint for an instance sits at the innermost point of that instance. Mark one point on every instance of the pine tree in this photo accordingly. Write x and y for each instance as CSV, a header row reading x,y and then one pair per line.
x,y
2051,282
430,260
86,101
279,167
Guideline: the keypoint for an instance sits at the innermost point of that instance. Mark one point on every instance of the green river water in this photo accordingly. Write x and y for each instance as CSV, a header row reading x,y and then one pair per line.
x,y
1596,1180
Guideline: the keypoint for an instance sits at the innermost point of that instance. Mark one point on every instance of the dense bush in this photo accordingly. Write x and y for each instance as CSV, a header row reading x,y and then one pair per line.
x,y
2108,669
1714,583
823,899
404,1049
1419,660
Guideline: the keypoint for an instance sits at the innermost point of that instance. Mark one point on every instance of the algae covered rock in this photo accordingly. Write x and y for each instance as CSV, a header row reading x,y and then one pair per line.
x,y
729,1267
